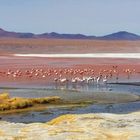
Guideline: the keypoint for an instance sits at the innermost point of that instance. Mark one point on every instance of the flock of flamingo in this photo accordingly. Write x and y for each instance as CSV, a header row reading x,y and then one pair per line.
x,y
65,76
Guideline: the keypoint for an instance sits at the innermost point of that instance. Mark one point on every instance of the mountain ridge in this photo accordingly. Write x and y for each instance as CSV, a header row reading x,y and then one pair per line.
x,y
121,35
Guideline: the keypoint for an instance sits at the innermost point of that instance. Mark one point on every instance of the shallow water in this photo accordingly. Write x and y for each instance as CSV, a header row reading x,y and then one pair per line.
x,y
111,93
67,91
48,114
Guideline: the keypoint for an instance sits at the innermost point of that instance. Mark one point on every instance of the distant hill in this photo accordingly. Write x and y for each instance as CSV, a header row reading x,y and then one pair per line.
x,y
65,36
4,33
122,35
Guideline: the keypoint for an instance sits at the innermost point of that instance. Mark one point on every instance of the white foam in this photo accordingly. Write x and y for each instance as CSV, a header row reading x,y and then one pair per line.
x,y
89,55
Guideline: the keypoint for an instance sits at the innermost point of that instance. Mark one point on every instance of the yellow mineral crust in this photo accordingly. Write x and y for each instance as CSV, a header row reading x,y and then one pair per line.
x,y
100,126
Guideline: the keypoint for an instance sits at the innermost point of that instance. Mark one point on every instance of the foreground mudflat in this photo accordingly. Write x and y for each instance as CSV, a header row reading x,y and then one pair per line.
x,y
94,126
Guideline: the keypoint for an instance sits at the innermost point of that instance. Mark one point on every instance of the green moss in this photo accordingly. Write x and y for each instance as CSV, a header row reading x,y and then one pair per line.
x,y
4,106
8,103
4,96
45,100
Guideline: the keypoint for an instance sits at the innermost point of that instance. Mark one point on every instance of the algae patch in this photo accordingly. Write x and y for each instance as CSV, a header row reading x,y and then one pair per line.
x,y
7,103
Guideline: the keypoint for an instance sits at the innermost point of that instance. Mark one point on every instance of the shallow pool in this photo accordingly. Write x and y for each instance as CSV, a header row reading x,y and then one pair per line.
x,y
112,98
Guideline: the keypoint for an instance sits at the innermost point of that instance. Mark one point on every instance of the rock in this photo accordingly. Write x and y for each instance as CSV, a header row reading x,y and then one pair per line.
x,y
103,126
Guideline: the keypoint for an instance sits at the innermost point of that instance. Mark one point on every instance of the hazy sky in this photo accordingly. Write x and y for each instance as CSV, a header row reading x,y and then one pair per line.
x,y
93,17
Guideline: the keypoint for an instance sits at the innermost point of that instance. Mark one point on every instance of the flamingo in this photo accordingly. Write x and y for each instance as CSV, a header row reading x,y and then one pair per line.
x,y
64,81
98,79
105,80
